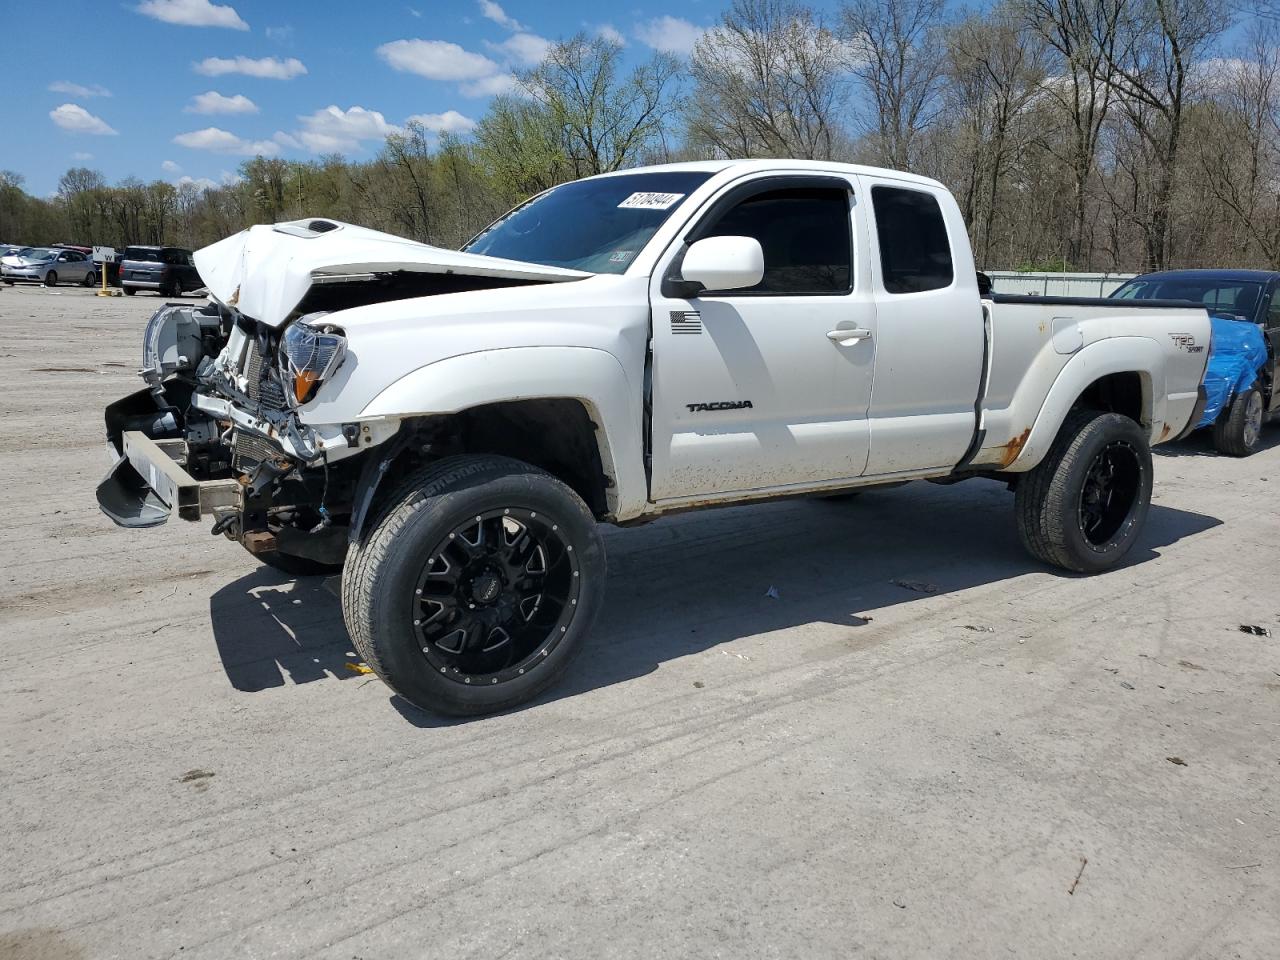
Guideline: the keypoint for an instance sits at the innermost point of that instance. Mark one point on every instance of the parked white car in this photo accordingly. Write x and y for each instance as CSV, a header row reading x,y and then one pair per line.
x,y
50,266
453,425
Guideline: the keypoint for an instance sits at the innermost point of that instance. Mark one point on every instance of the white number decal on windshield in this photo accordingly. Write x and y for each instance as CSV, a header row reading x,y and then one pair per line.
x,y
650,201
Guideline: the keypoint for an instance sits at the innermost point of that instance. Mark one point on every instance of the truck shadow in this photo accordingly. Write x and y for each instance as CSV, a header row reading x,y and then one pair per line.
x,y
694,582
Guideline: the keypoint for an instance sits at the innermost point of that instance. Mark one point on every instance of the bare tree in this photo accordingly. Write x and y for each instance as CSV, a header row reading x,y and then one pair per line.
x,y
768,81
1152,71
1083,35
605,121
895,49
995,68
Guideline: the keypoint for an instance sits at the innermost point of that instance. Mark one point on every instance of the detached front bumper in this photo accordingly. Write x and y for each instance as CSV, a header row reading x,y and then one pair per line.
x,y
149,481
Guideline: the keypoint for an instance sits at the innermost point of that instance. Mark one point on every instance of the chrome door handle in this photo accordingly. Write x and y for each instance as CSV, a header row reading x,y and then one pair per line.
x,y
849,335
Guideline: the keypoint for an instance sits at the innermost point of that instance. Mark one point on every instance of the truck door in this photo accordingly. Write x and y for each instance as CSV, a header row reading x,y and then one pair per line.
x,y
767,386
931,331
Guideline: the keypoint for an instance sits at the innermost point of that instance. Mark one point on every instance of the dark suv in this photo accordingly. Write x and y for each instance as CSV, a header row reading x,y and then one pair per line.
x,y
168,270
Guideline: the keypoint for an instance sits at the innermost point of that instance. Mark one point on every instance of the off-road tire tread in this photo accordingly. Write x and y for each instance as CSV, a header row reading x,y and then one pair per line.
x,y
366,555
1228,431
1039,501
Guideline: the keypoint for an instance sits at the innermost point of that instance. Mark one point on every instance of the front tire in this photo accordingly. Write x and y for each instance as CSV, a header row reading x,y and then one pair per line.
x,y
1236,432
51,278
476,587
1083,506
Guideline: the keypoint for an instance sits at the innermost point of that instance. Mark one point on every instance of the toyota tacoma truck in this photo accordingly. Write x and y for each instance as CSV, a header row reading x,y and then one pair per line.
x,y
448,428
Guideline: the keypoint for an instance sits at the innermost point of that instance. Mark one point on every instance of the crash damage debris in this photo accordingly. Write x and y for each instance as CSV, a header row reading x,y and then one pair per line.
x,y
1255,630
1177,761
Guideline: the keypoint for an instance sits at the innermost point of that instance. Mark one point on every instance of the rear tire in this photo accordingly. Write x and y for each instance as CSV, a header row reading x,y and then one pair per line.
x,y
90,279
1082,508
1237,431
476,587
129,291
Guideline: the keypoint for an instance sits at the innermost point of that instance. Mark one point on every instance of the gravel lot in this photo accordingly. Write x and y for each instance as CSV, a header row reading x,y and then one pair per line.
x,y
852,769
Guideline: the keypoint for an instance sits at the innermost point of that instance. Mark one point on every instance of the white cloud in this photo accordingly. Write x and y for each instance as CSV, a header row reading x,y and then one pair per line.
x,y
607,31
268,68
223,141
499,16
335,130
192,13
414,13
436,60
282,35
81,156
201,183
230,179
490,86
76,90
76,119
525,49
168,166
451,121
214,102
669,34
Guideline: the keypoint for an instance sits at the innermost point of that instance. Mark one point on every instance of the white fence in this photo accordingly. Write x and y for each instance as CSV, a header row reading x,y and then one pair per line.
x,y
1057,284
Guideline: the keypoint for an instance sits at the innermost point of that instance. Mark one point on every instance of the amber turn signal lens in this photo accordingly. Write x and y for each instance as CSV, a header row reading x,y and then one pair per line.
x,y
303,383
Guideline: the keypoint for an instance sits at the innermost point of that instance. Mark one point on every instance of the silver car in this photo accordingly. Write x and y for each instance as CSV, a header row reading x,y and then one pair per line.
x,y
50,266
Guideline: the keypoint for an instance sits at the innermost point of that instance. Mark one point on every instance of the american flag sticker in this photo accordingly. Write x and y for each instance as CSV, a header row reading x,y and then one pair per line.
x,y
686,321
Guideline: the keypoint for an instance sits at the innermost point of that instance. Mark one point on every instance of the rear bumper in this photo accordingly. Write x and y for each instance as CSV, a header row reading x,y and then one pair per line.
x,y
1197,412
148,482
142,284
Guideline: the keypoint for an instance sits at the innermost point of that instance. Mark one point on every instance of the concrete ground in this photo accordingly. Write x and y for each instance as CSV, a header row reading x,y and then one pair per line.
x,y
1019,764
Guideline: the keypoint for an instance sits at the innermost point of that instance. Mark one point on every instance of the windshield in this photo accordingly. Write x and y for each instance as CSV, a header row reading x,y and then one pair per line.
x,y
594,225
39,255
1234,297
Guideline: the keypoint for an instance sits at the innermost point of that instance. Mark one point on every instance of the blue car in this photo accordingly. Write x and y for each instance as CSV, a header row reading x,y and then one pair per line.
x,y
1240,380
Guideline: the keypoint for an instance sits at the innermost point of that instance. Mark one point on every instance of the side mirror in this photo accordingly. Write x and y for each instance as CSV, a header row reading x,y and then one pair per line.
x,y
724,263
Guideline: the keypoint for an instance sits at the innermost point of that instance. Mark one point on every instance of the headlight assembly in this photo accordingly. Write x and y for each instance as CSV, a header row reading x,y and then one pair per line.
x,y
310,352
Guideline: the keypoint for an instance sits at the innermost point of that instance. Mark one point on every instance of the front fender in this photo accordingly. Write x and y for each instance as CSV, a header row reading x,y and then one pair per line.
x,y
592,376
1034,419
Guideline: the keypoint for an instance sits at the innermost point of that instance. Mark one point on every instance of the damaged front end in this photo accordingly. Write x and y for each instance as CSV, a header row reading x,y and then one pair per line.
x,y
215,433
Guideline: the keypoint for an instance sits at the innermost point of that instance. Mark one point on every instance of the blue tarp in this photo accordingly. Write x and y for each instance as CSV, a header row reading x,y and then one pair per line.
x,y
1237,354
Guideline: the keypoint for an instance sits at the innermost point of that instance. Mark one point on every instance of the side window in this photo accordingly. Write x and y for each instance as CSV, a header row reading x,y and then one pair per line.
x,y
1273,309
914,252
805,235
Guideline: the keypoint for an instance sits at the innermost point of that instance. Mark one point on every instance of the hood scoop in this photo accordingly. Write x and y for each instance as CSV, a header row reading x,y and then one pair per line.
x,y
269,272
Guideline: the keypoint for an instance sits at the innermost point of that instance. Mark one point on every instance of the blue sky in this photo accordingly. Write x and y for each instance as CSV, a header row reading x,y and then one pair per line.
x,y
166,89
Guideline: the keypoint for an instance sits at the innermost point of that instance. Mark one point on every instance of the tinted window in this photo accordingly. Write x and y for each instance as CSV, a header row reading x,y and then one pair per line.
x,y
143,253
914,252
804,233
597,225
1237,298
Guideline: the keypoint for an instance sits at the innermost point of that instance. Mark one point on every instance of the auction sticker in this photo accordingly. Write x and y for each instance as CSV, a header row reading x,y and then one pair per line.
x,y
650,201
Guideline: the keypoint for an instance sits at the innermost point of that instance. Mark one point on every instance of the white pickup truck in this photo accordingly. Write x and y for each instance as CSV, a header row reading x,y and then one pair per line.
x,y
448,428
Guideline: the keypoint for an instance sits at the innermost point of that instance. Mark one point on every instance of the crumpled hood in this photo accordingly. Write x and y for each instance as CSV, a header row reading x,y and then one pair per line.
x,y
265,271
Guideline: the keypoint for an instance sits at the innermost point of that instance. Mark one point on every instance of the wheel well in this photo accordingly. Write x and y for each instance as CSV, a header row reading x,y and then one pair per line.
x,y
1123,393
557,435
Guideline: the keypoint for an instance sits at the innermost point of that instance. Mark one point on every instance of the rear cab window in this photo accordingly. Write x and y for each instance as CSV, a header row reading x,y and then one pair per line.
x,y
915,254
142,254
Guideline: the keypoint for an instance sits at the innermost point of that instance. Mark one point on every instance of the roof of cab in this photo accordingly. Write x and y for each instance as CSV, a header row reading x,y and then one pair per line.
x,y
753,166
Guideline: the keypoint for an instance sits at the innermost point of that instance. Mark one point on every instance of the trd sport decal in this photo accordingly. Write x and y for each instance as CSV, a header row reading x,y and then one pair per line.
x,y
686,321
719,405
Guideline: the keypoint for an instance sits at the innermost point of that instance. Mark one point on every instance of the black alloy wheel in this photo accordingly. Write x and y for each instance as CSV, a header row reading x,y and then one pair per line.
x,y
475,585
1110,492
495,596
